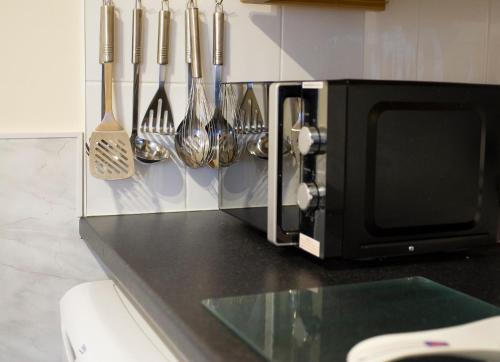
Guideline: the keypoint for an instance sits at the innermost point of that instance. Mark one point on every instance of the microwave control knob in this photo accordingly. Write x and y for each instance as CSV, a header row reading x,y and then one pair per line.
x,y
311,140
310,196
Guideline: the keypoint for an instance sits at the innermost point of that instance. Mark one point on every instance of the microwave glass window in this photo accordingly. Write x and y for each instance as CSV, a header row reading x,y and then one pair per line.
x,y
438,154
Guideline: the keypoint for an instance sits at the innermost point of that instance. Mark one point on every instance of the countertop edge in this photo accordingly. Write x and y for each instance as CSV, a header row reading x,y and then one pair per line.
x,y
168,263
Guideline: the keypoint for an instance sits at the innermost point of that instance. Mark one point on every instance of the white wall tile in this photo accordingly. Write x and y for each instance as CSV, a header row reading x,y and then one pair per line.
x,y
202,189
165,187
321,43
452,40
413,39
202,183
493,70
253,39
391,39
123,35
245,183
256,59
155,188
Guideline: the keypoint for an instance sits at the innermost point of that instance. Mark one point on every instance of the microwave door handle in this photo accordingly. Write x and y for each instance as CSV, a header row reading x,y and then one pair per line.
x,y
278,93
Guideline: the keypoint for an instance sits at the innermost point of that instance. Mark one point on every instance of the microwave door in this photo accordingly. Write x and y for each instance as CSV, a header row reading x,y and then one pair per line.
x,y
284,167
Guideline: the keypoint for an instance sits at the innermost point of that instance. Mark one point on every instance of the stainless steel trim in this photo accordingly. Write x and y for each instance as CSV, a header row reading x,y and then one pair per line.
x,y
163,37
195,42
218,44
137,36
321,163
272,184
187,35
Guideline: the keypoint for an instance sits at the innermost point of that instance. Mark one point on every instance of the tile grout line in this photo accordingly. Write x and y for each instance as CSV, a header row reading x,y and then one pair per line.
x,y
363,50
417,50
142,82
80,181
282,28
84,132
487,43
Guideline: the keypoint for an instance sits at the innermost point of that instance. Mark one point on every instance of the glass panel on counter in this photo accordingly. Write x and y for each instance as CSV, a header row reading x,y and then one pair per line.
x,y
323,324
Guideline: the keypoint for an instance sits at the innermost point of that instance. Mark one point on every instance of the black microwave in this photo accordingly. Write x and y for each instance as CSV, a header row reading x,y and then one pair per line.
x,y
365,169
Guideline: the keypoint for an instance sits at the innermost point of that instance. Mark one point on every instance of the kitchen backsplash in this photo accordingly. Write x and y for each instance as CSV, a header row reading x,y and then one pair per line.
x,y
451,40
437,40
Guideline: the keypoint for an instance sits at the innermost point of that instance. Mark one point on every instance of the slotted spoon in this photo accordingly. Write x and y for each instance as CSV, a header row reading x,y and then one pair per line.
x,y
110,152
146,151
159,109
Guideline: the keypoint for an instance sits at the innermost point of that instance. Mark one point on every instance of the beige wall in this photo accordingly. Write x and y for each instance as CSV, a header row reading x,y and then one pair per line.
x,y
42,66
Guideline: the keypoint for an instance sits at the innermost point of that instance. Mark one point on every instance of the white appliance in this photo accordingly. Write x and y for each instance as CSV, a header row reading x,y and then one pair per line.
x,y
99,324
477,340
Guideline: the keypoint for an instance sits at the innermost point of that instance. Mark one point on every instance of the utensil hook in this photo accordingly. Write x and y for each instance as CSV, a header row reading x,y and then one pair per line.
x,y
165,5
218,5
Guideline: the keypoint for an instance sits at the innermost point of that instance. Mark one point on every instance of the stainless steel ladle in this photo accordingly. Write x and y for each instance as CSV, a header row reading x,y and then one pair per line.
x,y
260,147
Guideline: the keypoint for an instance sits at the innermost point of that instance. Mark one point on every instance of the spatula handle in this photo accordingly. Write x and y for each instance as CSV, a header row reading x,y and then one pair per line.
x,y
137,34
107,42
108,87
163,34
195,42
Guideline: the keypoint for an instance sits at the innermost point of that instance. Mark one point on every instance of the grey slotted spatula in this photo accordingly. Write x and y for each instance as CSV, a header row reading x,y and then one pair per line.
x,y
159,109
110,152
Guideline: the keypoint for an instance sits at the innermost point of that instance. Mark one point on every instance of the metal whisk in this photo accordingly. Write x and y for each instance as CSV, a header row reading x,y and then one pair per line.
x,y
193,142
226,142
231,112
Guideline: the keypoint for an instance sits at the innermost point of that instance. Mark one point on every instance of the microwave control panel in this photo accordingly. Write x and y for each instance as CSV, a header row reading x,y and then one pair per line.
x,y
312,142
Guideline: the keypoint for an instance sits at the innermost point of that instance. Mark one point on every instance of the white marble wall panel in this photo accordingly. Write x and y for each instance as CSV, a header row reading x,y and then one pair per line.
x,y
41,253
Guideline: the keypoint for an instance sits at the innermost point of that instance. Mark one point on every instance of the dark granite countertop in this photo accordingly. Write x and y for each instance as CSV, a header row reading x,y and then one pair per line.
x,y
169,263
